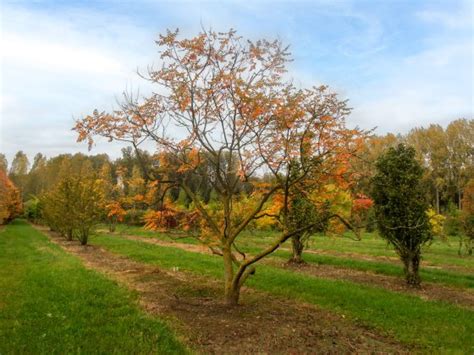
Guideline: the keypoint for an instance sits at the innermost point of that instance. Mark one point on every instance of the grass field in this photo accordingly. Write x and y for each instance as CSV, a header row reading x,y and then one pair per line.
x,y
433,325
51,304
440,257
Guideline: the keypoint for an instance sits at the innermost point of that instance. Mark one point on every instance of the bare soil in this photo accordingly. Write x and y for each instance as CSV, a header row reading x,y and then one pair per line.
x,y
427,291
261,324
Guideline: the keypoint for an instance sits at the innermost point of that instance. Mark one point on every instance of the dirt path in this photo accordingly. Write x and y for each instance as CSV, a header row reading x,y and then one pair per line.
x,y
262,324
428,291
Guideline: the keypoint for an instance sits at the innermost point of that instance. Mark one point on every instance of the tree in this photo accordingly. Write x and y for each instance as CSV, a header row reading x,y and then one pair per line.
x,y
88,207
467,218
432,152
35,181
400,207
75,204
301,212
235,113
460,141
3,163
10,201
19,170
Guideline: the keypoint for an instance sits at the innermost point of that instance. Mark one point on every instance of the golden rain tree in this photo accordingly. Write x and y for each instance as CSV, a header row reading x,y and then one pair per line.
x,y
223,101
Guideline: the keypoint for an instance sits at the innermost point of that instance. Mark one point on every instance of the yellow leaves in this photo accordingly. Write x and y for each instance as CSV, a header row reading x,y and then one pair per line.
x,y
436,222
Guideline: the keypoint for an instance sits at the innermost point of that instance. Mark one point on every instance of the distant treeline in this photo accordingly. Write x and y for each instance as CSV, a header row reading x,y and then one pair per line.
x,y
447,155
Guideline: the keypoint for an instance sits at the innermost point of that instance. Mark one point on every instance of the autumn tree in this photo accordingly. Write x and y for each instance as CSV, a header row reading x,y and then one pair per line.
x,y
228,102
3,163
111,196
58,204
460,141
75,205
400,207
466,243
19,170
88,207
10,200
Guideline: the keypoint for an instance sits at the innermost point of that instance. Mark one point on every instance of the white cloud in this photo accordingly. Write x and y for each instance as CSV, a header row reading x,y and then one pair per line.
x,y
63,62
56,67
33,52
432,86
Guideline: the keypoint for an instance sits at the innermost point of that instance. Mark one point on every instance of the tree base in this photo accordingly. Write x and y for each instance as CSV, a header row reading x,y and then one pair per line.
x,y
413,281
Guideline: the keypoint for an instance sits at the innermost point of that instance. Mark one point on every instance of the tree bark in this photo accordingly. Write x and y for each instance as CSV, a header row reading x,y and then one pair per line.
x,y
412,265
231,289
297,249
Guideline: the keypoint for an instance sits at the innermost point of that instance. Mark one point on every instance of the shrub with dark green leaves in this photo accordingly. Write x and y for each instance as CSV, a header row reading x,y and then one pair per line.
x,y
400,207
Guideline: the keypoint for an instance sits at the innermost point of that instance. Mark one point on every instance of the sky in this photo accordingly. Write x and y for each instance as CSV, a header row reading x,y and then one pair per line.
x,y
401,64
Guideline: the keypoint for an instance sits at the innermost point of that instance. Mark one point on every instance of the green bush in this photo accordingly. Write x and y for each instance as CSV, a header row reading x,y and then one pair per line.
x,y
32,209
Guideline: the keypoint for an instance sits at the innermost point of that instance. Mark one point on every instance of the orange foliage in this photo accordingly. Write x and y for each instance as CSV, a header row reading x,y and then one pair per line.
x,y
171,217
362,203
10,201
115,211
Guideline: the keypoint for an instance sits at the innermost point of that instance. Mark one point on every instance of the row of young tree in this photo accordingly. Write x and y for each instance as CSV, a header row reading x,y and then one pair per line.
x,y
254,152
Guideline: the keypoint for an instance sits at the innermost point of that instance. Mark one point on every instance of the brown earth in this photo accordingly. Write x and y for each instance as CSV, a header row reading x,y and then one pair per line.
x,y
427,291
263,323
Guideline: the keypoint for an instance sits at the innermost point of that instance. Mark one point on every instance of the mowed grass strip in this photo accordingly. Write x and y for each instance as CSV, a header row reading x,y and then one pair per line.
x,y
452,278
50,303
439,253
434,325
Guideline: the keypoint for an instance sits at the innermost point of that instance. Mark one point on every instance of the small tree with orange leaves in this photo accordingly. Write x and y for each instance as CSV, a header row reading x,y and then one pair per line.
x,y
10,199
227,100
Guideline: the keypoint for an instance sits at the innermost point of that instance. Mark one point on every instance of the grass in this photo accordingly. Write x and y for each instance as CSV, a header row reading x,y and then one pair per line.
x,y
435,325
49,303
428,275
252,242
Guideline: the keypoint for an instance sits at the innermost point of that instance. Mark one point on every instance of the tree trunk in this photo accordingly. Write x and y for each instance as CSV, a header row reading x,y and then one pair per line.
x,y
84,236
412,264
459,198
231,289
112,227
232,296
437,200
297,248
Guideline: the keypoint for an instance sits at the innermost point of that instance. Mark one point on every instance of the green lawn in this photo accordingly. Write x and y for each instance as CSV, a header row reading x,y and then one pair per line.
x,y
441,253
435,325
252,242
51,304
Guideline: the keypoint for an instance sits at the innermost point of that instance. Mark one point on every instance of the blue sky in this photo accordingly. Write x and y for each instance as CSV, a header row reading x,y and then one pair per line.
x,y
401,64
